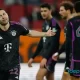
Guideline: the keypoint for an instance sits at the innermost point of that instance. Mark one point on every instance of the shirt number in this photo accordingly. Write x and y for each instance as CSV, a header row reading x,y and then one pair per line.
x,y
78,32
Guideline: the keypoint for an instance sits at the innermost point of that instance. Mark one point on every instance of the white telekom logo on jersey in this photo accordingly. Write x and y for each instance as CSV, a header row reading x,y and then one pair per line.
x,y
1,37
16,77
8,47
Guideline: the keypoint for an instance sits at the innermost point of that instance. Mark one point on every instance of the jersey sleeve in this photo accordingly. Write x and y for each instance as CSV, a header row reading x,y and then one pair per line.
x,y
52,45
68,41
23,30
62,49
55,26
39,48
69,30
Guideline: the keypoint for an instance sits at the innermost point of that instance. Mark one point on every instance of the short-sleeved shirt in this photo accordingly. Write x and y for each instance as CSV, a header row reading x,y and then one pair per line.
x,y
49,45
9,45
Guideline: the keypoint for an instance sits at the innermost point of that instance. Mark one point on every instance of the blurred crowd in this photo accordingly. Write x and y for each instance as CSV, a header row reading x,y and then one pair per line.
x,y
27,11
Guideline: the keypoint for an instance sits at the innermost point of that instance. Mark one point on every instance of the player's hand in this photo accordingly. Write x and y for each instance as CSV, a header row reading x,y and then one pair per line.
x,y
55,56
43,63
50,32
30,62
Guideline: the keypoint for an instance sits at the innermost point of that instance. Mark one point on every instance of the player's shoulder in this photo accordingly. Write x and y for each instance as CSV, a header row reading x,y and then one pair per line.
x,y
71,19
73,16
54,22
15,23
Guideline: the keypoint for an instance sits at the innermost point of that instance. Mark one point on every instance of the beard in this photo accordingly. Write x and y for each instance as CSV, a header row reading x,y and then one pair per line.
x,y
4,23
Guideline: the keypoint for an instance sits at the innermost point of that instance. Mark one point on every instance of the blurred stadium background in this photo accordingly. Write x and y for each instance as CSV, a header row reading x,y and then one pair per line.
x,y
27,12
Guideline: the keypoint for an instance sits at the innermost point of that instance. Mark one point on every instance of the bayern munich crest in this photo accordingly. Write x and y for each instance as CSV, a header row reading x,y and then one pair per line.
x,y
13,33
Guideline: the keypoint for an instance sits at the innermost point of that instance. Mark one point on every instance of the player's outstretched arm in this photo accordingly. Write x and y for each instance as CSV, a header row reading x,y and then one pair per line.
x,y
34,33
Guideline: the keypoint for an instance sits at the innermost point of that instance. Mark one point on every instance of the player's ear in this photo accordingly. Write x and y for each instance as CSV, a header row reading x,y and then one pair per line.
x,y
51,10
68,11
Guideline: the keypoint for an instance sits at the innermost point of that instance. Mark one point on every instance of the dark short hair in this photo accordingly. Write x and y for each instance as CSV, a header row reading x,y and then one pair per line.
x,y
77,6
68,5
45,5
1,9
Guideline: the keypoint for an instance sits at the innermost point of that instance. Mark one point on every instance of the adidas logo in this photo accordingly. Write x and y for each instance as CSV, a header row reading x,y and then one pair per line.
x,y
1,37
16,77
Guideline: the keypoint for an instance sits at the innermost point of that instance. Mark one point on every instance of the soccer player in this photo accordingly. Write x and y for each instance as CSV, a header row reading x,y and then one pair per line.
x,y
73,38
9,45
66,10
47,45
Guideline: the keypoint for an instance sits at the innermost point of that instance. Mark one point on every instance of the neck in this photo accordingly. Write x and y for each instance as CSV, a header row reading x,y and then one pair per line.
x,y
5,27
68,16
50,17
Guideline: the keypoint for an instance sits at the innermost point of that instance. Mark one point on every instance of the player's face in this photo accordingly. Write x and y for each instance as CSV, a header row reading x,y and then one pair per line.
x,y
45,13
63,12
4,19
